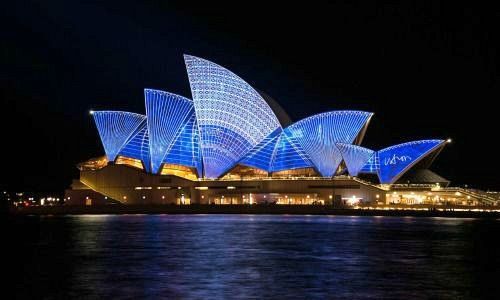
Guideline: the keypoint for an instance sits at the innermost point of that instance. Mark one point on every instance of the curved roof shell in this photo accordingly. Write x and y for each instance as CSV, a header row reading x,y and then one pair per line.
x,y
228,122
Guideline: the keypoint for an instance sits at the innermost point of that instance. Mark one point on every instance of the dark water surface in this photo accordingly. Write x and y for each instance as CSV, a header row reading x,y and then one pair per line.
x,y
252,256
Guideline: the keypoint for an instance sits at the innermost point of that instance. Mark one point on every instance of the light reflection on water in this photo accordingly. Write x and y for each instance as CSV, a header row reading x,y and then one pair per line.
x,y
254,256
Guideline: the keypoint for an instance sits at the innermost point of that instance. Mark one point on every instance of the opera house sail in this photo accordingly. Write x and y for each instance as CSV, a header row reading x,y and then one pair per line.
x,y
231,143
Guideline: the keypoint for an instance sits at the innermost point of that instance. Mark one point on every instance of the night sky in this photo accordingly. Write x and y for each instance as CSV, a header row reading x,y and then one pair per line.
x,y
425,70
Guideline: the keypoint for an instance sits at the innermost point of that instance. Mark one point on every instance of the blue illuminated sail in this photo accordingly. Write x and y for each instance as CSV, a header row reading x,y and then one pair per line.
x,y
138,147
115,129
397,159
318,135
261,156
289,154
232,117
355,157
185,149
166,113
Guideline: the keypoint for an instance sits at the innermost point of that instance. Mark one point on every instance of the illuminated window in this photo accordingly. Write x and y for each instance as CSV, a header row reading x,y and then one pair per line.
x,y
302,172
177,170
93,164
244,172
131,162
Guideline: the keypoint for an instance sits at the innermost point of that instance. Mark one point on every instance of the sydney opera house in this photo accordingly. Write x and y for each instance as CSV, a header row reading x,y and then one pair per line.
x,y
232,144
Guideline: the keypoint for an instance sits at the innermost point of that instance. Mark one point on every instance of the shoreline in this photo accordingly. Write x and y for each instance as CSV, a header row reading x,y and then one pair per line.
x,y
250,209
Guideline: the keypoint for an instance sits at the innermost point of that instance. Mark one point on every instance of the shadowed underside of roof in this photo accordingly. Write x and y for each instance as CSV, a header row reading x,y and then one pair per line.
x,y
422,176
280,113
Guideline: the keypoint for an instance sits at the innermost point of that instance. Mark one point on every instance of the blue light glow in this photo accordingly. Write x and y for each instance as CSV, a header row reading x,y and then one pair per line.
x,y
355,157
289,154
167,113
318,135
261,156
185,149
229,123
397,159
115,129
372,166
232,117
138,147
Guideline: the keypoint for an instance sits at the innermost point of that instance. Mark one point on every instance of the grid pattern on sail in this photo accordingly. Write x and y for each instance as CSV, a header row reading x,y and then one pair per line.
x,y
166,114
318,135
355,157
232,117
185,150
138,147
115,129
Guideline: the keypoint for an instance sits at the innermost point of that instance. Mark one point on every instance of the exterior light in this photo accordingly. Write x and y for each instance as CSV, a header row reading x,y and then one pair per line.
x,y
449,140
105,197
377,196
86,198
124,197
91,112
143,197
331,196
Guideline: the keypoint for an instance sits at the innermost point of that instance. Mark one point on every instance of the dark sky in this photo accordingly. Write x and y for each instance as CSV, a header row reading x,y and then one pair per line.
x,y
427,70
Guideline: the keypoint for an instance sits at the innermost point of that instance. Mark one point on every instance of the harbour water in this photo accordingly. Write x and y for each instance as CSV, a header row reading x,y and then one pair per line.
x,y
252,256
